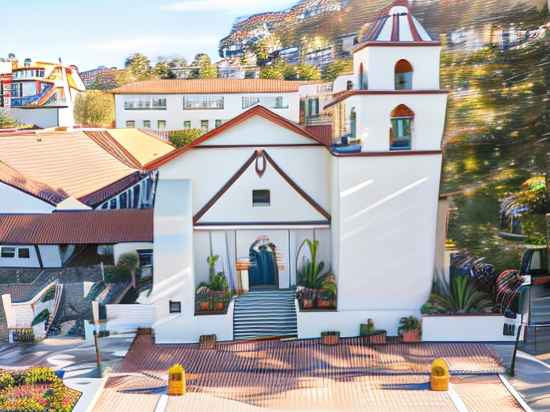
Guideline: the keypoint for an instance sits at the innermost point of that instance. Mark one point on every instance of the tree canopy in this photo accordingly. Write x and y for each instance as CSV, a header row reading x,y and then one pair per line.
x,y
94,108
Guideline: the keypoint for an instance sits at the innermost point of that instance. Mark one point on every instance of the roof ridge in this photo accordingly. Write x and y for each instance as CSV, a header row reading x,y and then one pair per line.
x,y
100,137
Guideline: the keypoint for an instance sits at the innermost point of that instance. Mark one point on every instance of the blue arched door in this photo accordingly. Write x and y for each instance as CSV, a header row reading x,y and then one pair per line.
x,y
263,270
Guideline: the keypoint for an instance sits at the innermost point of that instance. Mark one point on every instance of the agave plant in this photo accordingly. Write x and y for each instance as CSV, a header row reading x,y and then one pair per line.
x,y
459,297
509,284
311,273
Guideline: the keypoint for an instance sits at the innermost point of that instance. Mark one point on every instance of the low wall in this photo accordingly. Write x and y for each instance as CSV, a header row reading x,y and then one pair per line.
x,y
311,324
124,318
188,329
466,328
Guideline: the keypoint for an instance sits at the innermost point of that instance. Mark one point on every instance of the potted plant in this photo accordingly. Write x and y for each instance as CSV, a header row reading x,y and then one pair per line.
x,y
203,298
409,329
330,338
311,275
306,297
207,341
371,334
326,299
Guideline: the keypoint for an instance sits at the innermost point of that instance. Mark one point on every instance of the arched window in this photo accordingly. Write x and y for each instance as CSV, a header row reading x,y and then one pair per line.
x,y
353,124
362,78
402,118
403,75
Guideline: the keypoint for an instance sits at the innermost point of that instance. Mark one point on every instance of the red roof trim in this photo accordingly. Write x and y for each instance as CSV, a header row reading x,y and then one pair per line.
x,y
350,93
241,118
396,44
395,28
414,31
106,141
95,198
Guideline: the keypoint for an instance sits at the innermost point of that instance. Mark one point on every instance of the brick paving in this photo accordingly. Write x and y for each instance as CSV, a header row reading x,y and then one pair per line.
x,y
304,375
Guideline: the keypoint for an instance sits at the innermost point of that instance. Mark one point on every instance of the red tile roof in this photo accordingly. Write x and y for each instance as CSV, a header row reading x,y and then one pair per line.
x,y
254,111
207,86
12,177
110,145
78,227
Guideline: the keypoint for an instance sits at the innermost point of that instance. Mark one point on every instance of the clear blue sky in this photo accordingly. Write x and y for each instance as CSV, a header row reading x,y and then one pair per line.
x,y
89,33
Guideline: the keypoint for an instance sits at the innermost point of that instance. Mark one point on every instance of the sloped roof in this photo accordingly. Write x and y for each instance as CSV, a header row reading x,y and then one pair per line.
x,y
78,227
70,162
207,86
257,110
143,146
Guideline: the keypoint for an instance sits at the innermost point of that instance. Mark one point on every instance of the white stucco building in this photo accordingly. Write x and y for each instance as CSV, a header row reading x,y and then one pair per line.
x,y
202,103
40,93
370,198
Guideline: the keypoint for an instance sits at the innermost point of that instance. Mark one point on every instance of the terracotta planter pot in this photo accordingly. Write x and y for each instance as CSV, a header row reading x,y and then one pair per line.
x,y
377,337
204,306
330,339
410,335
207,342
324,303
307,303
219,306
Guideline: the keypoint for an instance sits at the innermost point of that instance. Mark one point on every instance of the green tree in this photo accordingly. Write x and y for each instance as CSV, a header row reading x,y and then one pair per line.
x,y
94,108
308,72
278,70
6,121
140,66
335,69
181,138
207,70
163,70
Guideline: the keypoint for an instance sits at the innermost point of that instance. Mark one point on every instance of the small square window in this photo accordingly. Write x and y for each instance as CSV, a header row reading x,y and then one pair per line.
x,y
204,125
113,204
161,124
130,123
218,122
23,253
7,252
147,124
175,307
261,198
187,124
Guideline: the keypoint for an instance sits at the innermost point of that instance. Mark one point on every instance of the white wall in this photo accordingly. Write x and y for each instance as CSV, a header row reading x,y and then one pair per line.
x,y
17,201
374,119
464,329
44,118
385,231
122,248
31,262
51,256
124,318
175,115
379,65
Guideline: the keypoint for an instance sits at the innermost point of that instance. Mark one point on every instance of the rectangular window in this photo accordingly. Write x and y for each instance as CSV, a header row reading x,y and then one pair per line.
x,y
130,123
161,124
261,198
105,205
175,307
204,125
187,124
137,189
144,103
219,122
23,253
313,107
401,134
113,204
271,102
202,102
147,124
145,257
123,200
7,252
403,81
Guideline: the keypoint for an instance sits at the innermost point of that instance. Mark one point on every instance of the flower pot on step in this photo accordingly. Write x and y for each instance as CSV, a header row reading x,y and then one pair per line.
x,y
207,342
330,338
410,335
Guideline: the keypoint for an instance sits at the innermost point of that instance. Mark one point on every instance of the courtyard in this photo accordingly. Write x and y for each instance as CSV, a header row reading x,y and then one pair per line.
x,y
305,375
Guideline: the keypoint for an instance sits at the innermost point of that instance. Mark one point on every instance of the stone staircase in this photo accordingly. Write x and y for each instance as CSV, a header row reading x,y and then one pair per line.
x,y
537,339
265,314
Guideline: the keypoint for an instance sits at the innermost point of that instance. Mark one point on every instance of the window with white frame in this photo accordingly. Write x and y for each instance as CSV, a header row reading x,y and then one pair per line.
x,y
261,198
187,124
130,123
271,102
23,253
144,103
7,252
203,101
161,124
147,124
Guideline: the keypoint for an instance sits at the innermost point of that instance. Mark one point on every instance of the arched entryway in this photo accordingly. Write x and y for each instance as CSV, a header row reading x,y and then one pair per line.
x,y
263,271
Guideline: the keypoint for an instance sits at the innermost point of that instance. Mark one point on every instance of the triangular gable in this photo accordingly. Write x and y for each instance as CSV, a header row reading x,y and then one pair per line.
x,y
241,118
232,204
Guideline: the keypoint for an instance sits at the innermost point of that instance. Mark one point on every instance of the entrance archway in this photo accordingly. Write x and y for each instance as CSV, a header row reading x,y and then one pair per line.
x,y
263,271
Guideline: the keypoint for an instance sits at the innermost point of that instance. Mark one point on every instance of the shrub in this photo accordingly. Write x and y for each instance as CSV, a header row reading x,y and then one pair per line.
x,y
49,295
40,375
6,380
41,317
181,138
117,274
21,405
129,260
408,323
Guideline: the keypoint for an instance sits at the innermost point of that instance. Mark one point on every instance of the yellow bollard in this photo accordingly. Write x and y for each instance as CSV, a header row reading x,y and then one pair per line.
x,y
440,375
176,380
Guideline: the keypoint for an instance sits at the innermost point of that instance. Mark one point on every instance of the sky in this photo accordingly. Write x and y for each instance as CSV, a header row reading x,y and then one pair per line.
x,y
91,33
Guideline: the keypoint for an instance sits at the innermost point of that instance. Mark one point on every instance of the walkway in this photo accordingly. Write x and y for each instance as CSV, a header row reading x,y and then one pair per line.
x,y
304,375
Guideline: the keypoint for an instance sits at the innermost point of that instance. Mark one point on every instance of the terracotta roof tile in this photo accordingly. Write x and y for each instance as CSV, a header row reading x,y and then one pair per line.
x,y
201,86
78,227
